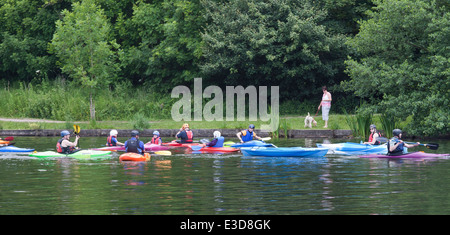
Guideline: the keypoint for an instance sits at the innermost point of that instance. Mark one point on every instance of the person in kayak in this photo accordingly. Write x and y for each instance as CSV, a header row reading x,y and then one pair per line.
x,y
134,145
217,141
112,139
185,134
156,138
247,135
374,135
396,146
65,146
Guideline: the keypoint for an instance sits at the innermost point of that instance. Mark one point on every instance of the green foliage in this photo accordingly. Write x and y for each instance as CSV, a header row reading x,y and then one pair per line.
x,y
255,42
404,63
140,122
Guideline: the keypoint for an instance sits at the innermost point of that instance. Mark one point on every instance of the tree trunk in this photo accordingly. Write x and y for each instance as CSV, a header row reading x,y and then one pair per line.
x,y
92,107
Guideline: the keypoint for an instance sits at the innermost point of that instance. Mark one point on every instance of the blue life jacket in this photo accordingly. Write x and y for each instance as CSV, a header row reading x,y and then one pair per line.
x,y
220,142
397,151
248,136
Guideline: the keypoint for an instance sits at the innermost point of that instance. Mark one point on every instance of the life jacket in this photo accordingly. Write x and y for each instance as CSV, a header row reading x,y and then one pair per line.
x,y
61,149
377,142
156,140
247,135
109,141
397,151
133,146
190,136
220,142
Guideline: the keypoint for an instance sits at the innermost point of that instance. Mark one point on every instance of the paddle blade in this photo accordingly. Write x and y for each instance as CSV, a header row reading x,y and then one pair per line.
x,y
76,129
9,138
266,138
196,147
432,146
166,153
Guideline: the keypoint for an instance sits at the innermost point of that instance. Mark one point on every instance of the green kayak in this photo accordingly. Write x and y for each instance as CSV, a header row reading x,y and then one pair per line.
x,y
82,154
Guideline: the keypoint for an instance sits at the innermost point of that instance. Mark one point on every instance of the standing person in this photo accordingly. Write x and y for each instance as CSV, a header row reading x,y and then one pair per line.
x,y
185,134
396,146
64,145
247,135
112,139
326,105
373,137
134,145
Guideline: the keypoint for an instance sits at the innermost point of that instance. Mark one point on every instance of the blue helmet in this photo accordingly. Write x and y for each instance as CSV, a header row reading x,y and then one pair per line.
x,y
64,133
156,133
134,133
251,126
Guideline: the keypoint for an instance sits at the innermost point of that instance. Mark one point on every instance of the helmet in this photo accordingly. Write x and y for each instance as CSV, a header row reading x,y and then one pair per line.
x,y
134,133
396,132
373,126
64,133
251,126
156,133
216,134
113,133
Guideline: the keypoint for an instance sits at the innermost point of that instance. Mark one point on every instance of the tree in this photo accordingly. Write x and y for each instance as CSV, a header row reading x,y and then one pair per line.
x,y
275,43
404,63
84,47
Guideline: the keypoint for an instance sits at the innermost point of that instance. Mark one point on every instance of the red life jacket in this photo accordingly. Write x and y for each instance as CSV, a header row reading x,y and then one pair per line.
x,y
190,136
371,138
109,141
156,140
61,149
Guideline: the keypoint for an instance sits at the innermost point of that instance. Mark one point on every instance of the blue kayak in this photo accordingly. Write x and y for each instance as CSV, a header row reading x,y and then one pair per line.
x,y
350,148
284,151
13,149
252,143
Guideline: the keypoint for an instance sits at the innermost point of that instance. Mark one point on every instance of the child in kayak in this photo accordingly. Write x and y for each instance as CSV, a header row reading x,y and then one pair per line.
x,y
156,139
396,146
247,135
134,145
65,146
217,141
112,139
185,134
374,135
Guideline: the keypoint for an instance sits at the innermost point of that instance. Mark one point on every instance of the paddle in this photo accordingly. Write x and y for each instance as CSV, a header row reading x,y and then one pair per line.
x,y
196,147
76,131
166,153
432,146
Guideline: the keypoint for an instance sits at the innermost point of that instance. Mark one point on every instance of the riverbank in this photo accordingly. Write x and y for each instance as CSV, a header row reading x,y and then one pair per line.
x,y
171,133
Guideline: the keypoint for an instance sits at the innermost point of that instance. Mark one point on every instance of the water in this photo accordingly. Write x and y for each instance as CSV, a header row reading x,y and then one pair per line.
x,y
221,184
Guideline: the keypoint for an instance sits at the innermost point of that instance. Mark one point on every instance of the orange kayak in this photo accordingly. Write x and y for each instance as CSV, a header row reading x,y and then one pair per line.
x,y
134,157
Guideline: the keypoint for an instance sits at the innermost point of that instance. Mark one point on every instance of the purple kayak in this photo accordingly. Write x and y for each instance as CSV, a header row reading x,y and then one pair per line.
x,y
407,155
148,147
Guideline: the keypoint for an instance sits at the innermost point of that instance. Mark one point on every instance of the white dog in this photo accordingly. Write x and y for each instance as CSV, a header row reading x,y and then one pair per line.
x,y
310,120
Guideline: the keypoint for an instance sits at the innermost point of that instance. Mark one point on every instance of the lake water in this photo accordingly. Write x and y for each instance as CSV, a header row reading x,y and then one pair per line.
x,y
222,184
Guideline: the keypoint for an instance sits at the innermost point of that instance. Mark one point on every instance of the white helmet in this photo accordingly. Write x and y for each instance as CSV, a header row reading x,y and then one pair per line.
x,y
113,133
216,134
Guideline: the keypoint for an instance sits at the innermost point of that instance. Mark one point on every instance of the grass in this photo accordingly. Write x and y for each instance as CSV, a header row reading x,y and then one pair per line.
x,y
337,122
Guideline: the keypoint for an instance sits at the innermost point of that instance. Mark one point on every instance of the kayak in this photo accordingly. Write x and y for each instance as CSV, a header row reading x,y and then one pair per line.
x,y
406,155
252,143
218,149
148,147
350,148
82,154
4,142
13,149
284,151
134,157
176,144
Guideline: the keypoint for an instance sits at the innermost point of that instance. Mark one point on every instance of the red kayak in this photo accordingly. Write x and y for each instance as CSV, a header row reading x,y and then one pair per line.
x,y
176,144
148,147
407,155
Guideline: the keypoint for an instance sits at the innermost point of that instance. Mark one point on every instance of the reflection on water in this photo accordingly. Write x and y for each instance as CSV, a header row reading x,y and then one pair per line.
x,y
199,183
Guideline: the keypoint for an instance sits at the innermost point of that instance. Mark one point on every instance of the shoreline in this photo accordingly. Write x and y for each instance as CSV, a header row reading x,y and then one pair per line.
x,y
311,133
